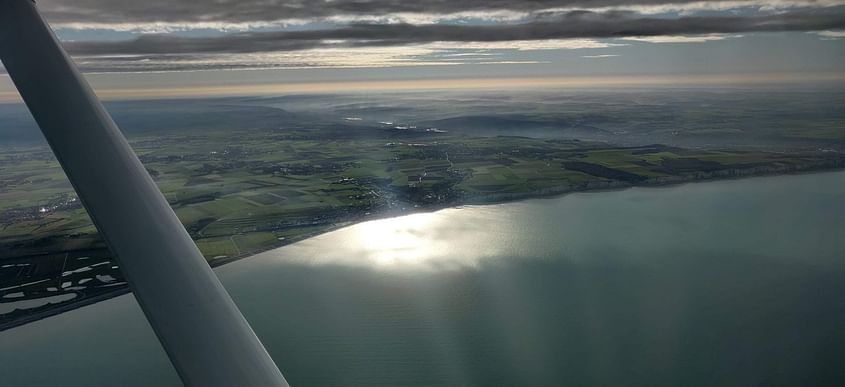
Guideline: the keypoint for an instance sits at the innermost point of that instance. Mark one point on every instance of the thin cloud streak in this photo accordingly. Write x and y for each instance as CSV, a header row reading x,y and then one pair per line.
x,y
573,25
250,13
831,35
682,38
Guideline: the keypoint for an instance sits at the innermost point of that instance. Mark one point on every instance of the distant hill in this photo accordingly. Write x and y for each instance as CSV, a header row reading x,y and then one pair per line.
x,y
152,116
515,124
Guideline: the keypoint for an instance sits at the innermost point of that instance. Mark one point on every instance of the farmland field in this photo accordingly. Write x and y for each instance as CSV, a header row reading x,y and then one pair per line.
x,y
290,175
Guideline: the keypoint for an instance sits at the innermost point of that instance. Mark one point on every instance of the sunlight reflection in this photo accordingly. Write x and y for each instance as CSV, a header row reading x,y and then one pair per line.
x,y
425,241
398,241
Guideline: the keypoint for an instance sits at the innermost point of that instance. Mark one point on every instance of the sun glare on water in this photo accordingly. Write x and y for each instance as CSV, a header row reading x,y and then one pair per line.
x,y
398,241
426,241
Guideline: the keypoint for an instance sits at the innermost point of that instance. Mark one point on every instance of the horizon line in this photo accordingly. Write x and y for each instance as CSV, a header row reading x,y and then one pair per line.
x,y
489,83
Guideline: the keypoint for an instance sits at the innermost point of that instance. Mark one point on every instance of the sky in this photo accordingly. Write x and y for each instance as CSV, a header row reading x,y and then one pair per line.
x,y
172,47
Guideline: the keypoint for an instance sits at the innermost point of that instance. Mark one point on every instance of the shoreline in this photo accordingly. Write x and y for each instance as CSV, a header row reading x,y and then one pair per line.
x,y
833,165
552,193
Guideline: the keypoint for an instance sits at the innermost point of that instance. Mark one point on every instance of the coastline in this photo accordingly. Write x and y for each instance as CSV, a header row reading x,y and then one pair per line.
x,y
556,192
486,199
551,193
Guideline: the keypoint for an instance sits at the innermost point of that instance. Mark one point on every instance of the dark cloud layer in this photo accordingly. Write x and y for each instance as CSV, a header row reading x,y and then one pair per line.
x,y
244,11
579,24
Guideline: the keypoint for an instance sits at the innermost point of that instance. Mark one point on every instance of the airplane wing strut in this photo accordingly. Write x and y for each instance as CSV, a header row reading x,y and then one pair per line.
x,y
205,335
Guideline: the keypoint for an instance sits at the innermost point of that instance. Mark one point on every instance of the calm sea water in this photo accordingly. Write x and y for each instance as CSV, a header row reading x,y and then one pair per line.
x,y
725,283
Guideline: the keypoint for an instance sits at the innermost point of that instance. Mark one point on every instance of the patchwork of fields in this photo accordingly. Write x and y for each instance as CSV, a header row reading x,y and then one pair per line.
x,y
242,191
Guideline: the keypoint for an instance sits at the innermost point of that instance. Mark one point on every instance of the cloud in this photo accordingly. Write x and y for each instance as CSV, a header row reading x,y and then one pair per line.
x,y
527,45
162,15
577,26
431,54
682,38
382,33
511,62
831,35
600,56
370,57
690,7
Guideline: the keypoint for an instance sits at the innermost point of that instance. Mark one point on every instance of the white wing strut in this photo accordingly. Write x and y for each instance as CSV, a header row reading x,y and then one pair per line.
x,y
207,339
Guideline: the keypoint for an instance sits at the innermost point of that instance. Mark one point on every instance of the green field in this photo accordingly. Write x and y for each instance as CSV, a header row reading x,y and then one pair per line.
x,y
227,186
241,192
